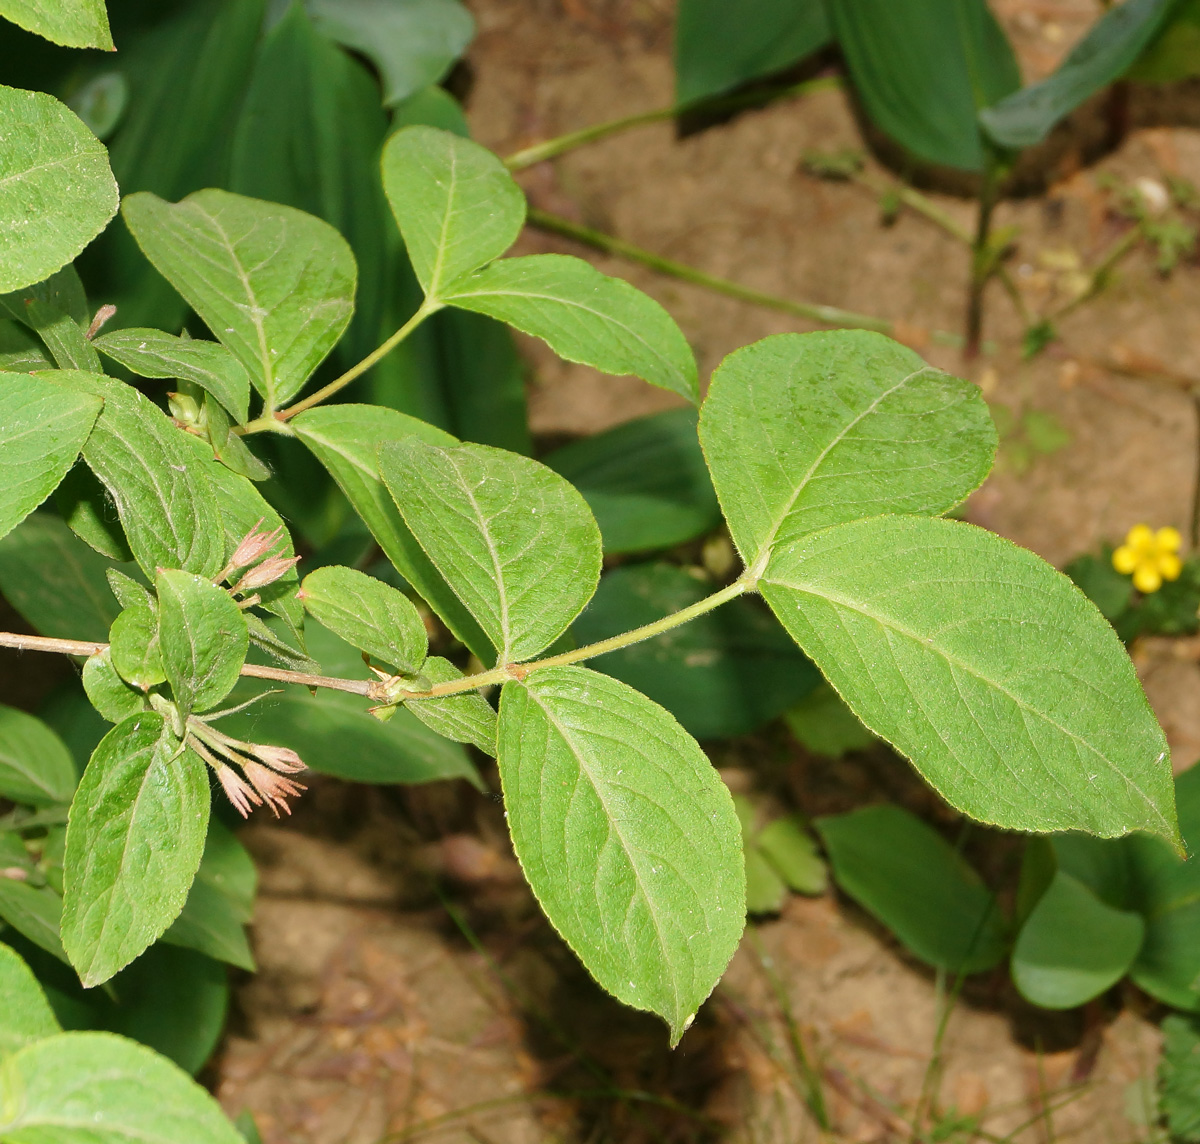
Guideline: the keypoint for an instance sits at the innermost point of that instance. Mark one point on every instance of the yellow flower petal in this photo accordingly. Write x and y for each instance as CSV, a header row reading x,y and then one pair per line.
x,y
1147,579
1169,539
1125,560
1139,536
1169,565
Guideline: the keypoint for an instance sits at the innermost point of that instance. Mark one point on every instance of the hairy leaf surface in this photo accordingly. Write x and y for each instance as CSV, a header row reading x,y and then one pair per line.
x,y
72,23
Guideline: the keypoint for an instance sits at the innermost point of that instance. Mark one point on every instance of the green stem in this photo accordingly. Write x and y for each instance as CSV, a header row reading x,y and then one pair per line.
x,y
982,262
827,315
539,152
1104,268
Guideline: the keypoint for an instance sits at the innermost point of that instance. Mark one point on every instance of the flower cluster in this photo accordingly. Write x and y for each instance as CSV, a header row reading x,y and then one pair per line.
x,y
265,769
252,549
1150,557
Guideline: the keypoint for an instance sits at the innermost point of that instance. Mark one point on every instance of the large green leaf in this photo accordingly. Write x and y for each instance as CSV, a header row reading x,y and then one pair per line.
x,y
724,673
134,647
923,69
83,502
134,841
27,1016
56,189
1112,44
275,285
43,430
513,539
465,718
910,878
645,481
456,204
990,670
412,44
35,766
719,45
627,836
97,1088
583,315
72,23
802,431
346,439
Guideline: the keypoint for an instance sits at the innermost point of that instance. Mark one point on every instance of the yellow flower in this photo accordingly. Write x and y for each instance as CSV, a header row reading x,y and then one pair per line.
x,y
1150,557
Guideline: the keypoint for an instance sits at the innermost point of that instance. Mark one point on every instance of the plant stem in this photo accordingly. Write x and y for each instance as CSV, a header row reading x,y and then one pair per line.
x,y
550,148
1104,267
982,262
43,643
827,315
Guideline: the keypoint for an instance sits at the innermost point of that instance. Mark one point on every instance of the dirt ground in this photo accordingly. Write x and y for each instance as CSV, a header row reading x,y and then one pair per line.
x,y
383,1008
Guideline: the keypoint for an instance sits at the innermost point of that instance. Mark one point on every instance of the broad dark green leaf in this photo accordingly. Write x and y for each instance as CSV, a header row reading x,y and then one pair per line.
x,y
371,615
513,539
273,284
84,503
911,879
135,646
56,189
152,353
724,673
26,1016
802,431
97,1088
583,315
719,45
1112,44
107,691
72,23
35,766
1179,1077
35,913
924,69
346,439
1073,946
204,639
991,671
134,841
645,482
627,836
412,44
43,430
465,718
1173,54
455,203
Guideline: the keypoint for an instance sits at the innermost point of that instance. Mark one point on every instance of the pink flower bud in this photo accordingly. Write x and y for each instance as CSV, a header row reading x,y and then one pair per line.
x,y
254,546
274,788
240,793
280,758
267,572
14,873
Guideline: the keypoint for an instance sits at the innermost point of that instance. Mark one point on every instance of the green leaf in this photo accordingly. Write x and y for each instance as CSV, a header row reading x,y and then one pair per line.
x,y
107,691
346,439
61,335
56,581
1073,946
792,853
43,431
512,538
719,46
1174,52
924,69
465,718
135,646
909,877
20,351
84,503
826,726
56,189
1111,45
204,640
454,201
724,673
163,497
134,841
1179,1077
627,836
275,285
72,23
97,1088
802,431
412,45
35,913
583,315
987,668
152,353
645,482
27,1015
369,614
35,766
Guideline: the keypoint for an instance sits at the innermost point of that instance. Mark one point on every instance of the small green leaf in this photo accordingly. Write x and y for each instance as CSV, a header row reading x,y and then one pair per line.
x,y
97,1088
910,878
20,351
107,691
1179,1077
371,615
627,836
35,766
990,670
204,639
83,502
56,189
273,284
35,913
135,648
455,203
465,718
43,430
826,726
512,538
152,353
72,23
584,316
1073,946
134,841
27,1015
793,854
802,431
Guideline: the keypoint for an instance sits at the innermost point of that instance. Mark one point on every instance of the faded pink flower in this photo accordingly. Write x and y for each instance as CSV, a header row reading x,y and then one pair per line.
x,y
267,572
240,793
254,546
281,758
274,788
